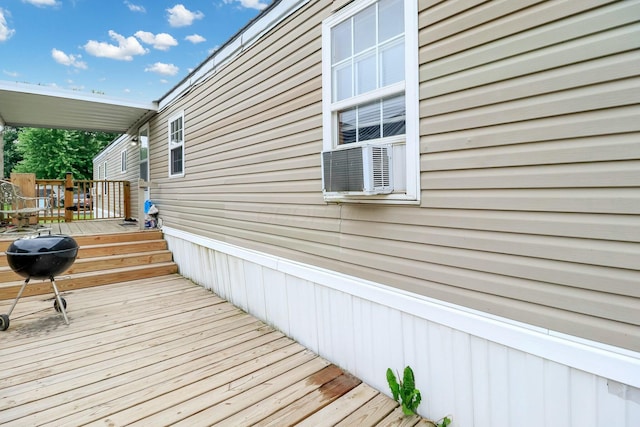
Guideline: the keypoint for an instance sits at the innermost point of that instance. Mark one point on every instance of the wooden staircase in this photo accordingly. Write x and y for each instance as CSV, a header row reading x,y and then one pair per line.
x,y
102,259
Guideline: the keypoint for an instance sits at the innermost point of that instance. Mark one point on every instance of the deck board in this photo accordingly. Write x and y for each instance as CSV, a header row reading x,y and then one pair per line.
x,y
75,228
164,351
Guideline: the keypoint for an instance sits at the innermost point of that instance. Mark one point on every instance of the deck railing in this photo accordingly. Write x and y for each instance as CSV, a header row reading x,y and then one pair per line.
x,y
73,200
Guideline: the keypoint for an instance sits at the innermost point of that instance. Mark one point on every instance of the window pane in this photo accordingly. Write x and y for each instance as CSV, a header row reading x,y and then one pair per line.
x,y
341,42
364,29
366,73
176,161
342,82
369,121
143,171
176,130
391,19
394,116
347,126
392,64
378,119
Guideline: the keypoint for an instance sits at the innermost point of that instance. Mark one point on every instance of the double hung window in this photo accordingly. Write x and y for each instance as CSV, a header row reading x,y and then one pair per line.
x,y
123,161
176,145
370,90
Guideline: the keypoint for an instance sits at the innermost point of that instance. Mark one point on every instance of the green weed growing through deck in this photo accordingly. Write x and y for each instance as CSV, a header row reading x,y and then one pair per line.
x,y
405,392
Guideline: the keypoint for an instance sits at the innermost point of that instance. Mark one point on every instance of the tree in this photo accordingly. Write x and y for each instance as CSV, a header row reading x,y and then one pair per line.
x,y
11,154
50,153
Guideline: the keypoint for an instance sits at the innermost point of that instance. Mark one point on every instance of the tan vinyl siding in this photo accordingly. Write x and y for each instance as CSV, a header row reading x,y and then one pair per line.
x,y
112,156
530,163
531,139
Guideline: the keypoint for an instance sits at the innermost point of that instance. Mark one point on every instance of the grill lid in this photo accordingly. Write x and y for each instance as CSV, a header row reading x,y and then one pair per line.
x,y
43,256
42,244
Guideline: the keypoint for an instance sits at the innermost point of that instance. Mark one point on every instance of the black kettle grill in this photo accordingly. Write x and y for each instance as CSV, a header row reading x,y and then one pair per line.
x,y
41,257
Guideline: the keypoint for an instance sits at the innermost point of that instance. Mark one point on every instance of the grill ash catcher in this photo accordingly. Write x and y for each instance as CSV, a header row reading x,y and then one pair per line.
x,y
41,257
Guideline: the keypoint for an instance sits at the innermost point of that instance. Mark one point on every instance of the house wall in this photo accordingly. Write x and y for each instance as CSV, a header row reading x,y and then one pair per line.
x,y
112,155
528,214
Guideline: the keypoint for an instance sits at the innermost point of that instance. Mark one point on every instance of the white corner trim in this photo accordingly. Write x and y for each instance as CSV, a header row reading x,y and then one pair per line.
x,y
599,359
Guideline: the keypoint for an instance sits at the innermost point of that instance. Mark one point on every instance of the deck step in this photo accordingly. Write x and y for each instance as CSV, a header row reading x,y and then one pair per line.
x,y
111,249
102,259
83,265
98,239
9,290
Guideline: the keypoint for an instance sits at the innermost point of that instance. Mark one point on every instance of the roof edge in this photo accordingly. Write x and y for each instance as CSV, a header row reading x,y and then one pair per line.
x,y
275,13
40,90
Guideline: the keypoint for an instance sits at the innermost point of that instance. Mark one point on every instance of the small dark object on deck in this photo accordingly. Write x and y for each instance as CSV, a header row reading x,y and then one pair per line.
x,y
41,257
129,222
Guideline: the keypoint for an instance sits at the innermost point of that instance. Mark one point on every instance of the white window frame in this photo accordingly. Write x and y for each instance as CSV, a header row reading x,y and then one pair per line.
x,y
104,169
175,145
411,142
123,161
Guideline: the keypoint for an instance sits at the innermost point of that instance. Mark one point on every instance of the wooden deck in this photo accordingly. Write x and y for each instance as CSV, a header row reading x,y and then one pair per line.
x,y
164,351
76,228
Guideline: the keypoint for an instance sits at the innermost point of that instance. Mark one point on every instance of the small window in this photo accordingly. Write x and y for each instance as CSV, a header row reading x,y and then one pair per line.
x,y
123,161
176,145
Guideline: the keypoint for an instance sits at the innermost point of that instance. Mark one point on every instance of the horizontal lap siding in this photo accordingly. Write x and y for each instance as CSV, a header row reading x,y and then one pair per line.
x,y
253,137
530,163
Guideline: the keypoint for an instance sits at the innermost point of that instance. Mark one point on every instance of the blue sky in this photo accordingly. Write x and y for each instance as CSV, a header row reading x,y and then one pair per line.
x,y
133,49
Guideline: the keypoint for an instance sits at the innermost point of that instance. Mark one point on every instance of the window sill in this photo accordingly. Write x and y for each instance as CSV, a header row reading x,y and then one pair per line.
x,y
386,199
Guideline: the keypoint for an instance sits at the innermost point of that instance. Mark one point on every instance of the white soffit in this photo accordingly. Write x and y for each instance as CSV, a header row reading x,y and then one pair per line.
x,y
26,105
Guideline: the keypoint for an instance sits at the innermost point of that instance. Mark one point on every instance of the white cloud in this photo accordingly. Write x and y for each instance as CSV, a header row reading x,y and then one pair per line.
x,y
5,31
124,51
10,73
134,7
195,38
162,41
180,16
249,4
69,60
42,3
164,69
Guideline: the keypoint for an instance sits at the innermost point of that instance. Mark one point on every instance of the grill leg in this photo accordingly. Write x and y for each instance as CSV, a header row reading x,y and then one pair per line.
x,y
60,304
24,285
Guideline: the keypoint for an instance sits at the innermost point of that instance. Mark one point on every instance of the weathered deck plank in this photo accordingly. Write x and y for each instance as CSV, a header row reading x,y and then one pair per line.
x,y
163,351
76,228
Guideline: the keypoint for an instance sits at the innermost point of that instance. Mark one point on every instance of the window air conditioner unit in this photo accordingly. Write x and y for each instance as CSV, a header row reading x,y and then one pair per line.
x,y
363,170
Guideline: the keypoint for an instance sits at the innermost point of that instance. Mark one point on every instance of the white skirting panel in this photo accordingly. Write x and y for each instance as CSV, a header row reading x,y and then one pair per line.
x,y
480,369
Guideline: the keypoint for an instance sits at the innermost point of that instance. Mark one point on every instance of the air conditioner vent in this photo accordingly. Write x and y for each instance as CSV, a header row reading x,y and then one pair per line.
x,y
363,170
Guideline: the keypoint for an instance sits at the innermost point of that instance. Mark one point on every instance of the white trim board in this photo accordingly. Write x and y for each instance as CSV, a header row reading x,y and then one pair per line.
x,y
609,362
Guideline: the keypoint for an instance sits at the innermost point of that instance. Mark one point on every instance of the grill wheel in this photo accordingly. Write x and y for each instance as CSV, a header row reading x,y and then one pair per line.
x,y
4,322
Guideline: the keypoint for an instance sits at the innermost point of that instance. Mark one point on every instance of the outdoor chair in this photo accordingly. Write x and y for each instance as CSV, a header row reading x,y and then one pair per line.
x,y
13,205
